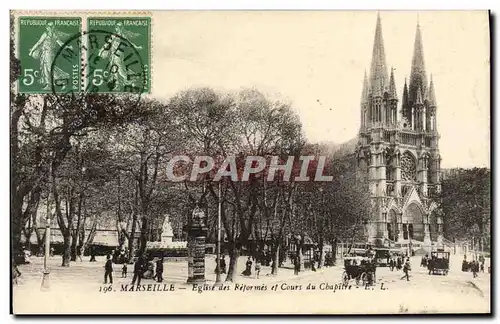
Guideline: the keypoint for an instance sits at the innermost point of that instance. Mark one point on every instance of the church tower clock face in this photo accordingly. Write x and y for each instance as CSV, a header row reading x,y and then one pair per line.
x,y
408,168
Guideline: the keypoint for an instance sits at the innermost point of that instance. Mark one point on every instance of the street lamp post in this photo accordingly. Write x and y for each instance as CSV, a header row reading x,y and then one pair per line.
x,y
46,279
218,280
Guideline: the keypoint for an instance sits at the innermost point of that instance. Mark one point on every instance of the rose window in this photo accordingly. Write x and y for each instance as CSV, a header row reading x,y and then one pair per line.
x,y
408,168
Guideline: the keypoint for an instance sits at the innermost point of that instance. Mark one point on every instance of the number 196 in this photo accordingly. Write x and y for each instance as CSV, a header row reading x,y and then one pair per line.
x,y
105,289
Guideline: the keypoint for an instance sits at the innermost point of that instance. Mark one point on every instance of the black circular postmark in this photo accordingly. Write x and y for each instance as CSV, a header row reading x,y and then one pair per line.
x,y
105,63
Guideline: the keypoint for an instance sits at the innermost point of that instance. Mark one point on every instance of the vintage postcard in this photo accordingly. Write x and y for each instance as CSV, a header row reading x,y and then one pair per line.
x,y
250,162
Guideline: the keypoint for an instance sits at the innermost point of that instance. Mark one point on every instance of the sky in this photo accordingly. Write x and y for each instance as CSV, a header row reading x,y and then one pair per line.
x,y
317,59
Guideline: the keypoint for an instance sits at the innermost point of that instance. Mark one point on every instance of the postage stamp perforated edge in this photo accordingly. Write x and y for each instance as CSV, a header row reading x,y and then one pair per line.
x,y
84,15
149,41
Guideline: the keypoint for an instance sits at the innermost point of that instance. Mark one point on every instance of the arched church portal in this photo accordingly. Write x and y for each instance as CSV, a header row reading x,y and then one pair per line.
x,y
413,223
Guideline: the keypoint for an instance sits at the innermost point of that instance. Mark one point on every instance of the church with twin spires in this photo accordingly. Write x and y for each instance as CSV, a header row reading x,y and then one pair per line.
x,y
398,148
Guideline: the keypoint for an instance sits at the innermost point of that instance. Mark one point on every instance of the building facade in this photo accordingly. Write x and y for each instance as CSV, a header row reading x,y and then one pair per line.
x,y
398,148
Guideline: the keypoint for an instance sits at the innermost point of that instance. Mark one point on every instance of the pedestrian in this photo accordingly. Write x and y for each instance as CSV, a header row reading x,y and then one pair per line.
x,y
399,263
296,265
51,251
248,269
257,268
159,269
406,270
108,270
124,270
223,264
138,269
475,268
92,254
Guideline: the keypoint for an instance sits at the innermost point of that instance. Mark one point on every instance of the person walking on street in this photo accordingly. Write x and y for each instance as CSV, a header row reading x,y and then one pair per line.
x,y
108,270
159,269
257,268
124,270
406,270
92,254
296,265
475,268
248,269
138,269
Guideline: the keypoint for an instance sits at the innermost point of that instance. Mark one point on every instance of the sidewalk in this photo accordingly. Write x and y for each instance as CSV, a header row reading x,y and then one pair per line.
x,y
89,275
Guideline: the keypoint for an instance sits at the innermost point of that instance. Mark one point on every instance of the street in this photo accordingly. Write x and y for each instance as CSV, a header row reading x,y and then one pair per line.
x,y
80,289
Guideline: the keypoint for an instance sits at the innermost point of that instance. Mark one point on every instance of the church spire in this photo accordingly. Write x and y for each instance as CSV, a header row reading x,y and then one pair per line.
x,y
404,104
366,90
418,78
432,94
378,70
418,99
392,86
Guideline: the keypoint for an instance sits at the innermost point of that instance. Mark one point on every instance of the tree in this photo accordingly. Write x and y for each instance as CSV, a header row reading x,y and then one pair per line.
x,y
466,203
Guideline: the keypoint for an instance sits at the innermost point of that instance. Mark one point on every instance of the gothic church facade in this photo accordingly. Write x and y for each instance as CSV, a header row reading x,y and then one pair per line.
x,y
398,149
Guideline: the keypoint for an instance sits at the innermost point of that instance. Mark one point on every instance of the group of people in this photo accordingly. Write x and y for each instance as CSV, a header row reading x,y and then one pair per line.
x,y
474,266
396,262
248,267
142,269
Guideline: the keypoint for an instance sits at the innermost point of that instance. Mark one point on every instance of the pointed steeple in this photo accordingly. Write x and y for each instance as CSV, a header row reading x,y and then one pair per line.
x,y
392,86
418,99
377,89
378,70
366,90
418,77
404,103
431,94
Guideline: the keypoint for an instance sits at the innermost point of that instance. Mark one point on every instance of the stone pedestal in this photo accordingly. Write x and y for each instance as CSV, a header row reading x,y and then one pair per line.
x,y
197,231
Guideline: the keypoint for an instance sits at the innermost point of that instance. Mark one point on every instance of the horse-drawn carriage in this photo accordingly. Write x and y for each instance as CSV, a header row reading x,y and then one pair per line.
x,y
439,263
361,269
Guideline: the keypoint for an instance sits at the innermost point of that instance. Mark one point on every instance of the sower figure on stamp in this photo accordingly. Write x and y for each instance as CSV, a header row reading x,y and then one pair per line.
x,y
108,270
109,52
44,50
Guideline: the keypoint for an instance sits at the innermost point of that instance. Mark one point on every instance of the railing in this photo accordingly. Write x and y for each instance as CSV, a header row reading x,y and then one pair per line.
x,y
409,138
387,136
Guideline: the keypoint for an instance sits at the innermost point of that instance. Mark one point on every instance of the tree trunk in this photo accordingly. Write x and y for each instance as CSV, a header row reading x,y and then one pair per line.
x,y
143,235
234,254
66,257
321,262
74,241
276,258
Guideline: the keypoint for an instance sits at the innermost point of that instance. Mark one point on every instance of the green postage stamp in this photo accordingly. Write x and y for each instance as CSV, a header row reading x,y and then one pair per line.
x,y
41,39
119,54
108,55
